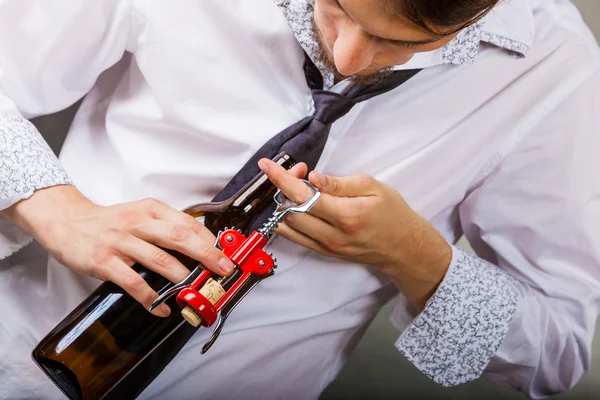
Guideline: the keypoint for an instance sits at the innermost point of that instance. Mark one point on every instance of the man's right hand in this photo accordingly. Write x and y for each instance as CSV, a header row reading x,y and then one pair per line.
x,y
105,242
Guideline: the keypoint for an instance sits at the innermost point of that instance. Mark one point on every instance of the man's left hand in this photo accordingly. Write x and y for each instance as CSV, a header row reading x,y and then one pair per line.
x,y
363,220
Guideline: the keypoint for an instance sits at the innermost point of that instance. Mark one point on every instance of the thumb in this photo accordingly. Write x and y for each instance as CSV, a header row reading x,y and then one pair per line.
x,y
348,186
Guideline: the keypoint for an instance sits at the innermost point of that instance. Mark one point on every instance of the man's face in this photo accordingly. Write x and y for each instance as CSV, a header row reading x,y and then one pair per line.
x,y
361,39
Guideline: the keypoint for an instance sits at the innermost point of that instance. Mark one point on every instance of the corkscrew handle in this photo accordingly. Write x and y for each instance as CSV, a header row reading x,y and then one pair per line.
x,y
252,281
286,206
170,290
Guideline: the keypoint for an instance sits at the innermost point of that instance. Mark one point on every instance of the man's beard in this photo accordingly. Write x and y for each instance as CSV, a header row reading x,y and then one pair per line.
x,y
322,57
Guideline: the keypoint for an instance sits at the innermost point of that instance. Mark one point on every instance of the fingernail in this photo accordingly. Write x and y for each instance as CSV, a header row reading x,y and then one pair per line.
x,y
165,310
320,178
225,265
264,166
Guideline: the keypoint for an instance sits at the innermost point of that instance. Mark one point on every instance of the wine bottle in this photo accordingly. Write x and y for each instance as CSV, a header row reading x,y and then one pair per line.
x,y
99,343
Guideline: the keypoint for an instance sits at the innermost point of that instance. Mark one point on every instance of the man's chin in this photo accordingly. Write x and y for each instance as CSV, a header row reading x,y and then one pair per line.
x,y
364,78
371,78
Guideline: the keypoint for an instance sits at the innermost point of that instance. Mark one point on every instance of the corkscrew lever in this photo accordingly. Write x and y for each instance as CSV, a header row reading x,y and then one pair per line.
x,y
228,308
168,291
165,293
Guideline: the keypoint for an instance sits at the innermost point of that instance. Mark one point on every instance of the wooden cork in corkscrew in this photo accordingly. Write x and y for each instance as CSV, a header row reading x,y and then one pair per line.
x,y
213,291
191,316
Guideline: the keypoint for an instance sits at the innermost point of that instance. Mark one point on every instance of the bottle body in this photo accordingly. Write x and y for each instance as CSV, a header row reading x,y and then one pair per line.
x,y
109,333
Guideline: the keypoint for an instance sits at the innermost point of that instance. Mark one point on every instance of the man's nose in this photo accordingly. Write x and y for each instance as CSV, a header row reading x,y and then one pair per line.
x,y
352,51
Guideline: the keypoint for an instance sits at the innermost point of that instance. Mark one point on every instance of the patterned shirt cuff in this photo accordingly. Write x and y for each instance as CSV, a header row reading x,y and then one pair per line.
x,y
26,161
463,324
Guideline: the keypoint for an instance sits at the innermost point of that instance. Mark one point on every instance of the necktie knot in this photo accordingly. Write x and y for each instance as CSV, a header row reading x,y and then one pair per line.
x,y
330,106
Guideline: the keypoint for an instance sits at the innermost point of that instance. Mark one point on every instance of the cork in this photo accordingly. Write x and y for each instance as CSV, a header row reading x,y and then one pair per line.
x,y
191,316
213,291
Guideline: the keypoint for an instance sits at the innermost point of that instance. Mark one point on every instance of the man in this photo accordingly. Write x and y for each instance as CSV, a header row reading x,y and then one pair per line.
x,y
495,139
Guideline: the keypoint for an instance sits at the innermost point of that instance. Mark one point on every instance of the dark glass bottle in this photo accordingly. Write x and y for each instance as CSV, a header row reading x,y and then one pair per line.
x,y
109,333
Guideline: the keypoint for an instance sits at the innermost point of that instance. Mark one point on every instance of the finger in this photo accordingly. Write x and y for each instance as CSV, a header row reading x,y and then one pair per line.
x,y
153,258
118,272
311,226
298,192
293,188
161,211
348,186
299,170
294,236
183,239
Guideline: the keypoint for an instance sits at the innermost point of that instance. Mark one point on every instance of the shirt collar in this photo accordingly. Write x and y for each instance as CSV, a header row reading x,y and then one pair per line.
x,y
509,26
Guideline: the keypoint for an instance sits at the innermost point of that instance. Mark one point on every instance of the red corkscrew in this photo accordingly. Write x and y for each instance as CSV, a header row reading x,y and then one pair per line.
x,y
248,256
206,300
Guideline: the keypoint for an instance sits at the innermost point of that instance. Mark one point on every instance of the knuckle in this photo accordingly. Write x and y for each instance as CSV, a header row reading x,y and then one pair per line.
x,y
291,220
149,204
351,224
97,272
340,247
180,232
366,181
130,217
351,217
114,236
209,253
99,258
335,186
130,262
332,243
134,283
163,259
210,256
193,224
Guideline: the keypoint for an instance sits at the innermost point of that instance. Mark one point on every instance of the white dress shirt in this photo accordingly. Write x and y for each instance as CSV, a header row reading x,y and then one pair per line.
x,y
496,138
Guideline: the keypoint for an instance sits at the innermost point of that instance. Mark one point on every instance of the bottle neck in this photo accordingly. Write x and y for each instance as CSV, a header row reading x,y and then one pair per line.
x,y
255,193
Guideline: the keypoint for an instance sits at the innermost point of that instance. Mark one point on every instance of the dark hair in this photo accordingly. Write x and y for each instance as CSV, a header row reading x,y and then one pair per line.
x,y
442,17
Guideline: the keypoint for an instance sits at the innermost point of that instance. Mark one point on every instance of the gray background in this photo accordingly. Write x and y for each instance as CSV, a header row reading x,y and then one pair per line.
x,y
375,370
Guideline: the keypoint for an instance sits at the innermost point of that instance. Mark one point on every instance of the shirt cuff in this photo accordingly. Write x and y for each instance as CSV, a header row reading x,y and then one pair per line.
x,y
463,324
27,163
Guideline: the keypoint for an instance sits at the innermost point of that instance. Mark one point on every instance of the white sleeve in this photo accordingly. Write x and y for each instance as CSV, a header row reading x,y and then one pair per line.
x,y
524,313
51,53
